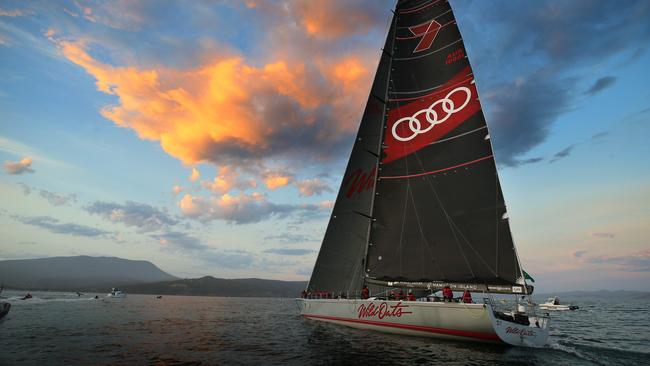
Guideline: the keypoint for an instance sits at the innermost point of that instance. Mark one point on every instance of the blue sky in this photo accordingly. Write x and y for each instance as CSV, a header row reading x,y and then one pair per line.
x,y
107,107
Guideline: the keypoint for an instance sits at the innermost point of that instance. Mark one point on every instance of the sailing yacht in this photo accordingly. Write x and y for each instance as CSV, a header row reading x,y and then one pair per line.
x,y
420,206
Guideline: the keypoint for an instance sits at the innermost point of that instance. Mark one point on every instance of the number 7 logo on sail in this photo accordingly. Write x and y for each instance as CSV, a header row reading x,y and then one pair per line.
x,y
428,31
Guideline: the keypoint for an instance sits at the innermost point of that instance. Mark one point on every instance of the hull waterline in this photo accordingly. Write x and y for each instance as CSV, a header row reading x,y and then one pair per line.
x,y
451,321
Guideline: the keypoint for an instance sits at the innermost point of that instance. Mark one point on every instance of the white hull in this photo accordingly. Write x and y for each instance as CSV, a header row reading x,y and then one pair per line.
x,y
455,321
556,307
119,295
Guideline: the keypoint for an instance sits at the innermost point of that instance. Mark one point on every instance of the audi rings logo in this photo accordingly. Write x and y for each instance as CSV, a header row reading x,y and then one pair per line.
x,y
448,106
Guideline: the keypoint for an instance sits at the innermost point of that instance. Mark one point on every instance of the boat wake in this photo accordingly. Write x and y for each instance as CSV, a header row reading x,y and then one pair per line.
x,y
574,352
19,300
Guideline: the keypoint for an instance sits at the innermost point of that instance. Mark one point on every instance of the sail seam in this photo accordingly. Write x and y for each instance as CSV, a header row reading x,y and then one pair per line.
x,y
427,54
418,8
422,34
459,135
429,89
439,170
428,21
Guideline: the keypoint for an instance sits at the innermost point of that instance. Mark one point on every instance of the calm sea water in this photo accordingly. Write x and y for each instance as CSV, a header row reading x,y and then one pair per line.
x,y
62,329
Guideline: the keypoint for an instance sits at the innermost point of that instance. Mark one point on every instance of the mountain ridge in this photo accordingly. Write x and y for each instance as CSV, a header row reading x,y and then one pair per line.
x,y
78,273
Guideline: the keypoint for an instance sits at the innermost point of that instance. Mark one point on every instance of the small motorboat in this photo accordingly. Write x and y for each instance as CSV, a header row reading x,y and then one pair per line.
x,y
553,303
27,296
115,293
4,309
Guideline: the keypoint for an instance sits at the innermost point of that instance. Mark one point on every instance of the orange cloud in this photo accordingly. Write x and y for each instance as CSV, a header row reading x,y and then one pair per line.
x,y
222,109
337,18
24,165
228,179
276,180
177,189
190,206
195,175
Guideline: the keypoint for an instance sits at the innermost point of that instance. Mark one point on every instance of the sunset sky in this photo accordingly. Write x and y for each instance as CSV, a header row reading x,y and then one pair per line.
x,y
210,137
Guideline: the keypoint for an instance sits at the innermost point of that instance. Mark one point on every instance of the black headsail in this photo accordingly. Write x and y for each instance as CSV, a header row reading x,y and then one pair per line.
x,y
439,212
420,204
341,260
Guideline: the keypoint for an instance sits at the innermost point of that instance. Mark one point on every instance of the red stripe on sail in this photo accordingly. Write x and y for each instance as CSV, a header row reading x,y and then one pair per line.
x,y
418,8
439,170
420,328
415,125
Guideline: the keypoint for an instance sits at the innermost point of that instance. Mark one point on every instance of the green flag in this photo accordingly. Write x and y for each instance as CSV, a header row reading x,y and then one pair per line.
x,y
527,276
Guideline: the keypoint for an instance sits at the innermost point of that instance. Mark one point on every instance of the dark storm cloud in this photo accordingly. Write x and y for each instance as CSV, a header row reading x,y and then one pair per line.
x,y
140,215
601,84
247,209
635,262
55,226
289,238
544,45
175,240
289,251
57,199
604,235
523,113
562,154
600,135
186,244
531,161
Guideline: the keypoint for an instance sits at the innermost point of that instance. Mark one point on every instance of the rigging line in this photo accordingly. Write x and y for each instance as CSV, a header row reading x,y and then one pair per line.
x,y
496,215
449,219
439,170
428,246
478,255
401,234
459,135
427,54
355,271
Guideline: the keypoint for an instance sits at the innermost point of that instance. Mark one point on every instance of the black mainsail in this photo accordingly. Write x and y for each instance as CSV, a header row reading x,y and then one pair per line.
x,y
421,204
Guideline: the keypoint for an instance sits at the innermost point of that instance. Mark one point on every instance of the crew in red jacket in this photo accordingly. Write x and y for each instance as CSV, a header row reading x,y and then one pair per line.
x,y
467,297
447,294
365,293
411,296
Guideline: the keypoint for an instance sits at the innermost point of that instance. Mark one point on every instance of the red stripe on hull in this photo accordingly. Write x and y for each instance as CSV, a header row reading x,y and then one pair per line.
x,y
419,328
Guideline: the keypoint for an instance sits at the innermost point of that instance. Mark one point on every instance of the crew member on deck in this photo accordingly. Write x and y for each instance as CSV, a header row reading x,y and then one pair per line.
x,y
401,295
447,294
411,296
467,297
365,293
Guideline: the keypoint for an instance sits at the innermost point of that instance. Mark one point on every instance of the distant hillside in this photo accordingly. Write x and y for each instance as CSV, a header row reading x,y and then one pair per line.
x,y
210,286
78,273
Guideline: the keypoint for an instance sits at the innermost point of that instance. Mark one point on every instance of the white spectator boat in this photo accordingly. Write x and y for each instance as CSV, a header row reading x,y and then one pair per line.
x,y
116,294
553,304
